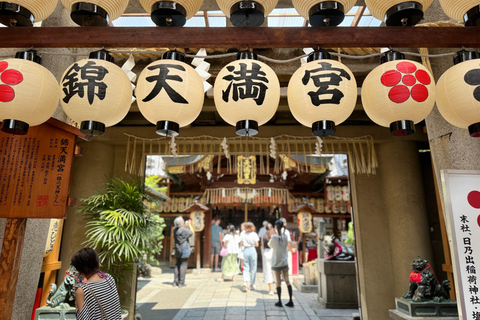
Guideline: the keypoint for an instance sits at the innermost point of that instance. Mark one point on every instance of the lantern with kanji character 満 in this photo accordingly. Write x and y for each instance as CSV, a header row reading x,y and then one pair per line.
x,y
23,13
467,11
28,93
398,12
167,13
398,94
246,93
170,93
96,93
95,12
321,13
458,92
247,13
322,93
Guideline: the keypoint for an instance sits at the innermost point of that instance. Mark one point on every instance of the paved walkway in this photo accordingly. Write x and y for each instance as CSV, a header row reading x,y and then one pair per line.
x,y
204,298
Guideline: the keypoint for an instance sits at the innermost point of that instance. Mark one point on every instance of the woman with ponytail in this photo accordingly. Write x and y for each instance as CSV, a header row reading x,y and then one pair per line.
x,y
279,244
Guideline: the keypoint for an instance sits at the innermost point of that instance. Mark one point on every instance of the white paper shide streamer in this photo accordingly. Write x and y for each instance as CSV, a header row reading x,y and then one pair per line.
x,y
127,68
173,147
202,67
319,146
225,147
273,148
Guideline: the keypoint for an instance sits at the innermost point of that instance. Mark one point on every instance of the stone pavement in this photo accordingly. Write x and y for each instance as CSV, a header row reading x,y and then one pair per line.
x,y
204,298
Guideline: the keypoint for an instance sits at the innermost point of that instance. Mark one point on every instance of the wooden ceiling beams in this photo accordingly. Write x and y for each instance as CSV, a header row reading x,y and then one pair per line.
x,y
293,37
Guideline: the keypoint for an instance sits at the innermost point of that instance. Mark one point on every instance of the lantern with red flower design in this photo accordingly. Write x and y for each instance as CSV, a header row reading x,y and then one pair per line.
x,y
398,94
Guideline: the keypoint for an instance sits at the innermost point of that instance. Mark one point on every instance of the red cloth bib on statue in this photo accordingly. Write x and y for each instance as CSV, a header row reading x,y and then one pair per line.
x,y
415,277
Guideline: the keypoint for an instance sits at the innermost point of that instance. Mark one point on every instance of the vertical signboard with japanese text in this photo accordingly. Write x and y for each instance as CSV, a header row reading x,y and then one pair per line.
x,y
35,172
462,201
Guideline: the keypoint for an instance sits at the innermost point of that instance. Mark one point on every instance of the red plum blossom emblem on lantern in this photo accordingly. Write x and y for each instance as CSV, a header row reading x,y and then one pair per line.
x,y
406,81
9,78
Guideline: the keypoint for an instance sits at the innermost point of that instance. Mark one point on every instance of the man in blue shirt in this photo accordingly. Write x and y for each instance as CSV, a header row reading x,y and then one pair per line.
x,y
215,243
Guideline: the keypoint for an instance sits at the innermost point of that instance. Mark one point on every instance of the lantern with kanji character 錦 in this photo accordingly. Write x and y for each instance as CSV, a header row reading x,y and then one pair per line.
x,y
398,12
96,93
23,13
95,12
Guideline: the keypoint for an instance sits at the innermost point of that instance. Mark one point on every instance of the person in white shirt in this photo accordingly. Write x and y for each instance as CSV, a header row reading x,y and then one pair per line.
x,y
249,240
263,230
279,242
229,263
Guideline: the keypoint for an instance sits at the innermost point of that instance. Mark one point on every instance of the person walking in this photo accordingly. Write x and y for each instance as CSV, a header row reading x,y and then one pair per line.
x,y
241,249
249,240
97,298
229,263
279,243
215,244
267,257
181,234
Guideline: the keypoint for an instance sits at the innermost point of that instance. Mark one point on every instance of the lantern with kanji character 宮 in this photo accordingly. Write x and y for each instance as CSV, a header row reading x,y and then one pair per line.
x,y
170,93
23,13
458,94
96,93
322,93
246,93
246,13
323,12
95,12
398,93
467,11
28,93
168,13
398,12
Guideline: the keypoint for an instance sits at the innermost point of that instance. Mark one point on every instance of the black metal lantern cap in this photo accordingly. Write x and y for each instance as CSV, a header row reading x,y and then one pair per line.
x,y
93,128
402,128
464,55
247,128
472,17
323,128
246,55
101,55
327,13
89,15
407,13
318,55
391,56
30,55
168,128
168,14
14,15
247,14
474,130
174,55
15,127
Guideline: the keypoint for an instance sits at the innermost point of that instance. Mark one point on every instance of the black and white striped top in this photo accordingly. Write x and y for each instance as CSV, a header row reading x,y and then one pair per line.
x,y
107,294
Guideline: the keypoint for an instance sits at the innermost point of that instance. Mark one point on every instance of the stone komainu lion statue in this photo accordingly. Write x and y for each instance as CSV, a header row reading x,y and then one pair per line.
x,y
64,296
337,250
423,280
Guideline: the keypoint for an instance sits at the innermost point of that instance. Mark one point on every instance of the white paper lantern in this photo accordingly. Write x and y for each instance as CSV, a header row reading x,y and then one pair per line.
x,y
467,11
170,93
171,13
322,94
458,95
25,12
246,93
247,13
323,12
28,93
398,94
95,12
398,12
95,92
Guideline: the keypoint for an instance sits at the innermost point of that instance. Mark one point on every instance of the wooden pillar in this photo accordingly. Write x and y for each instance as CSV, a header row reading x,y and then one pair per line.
x,y
246,212
197,250
285,212
10,264
207,237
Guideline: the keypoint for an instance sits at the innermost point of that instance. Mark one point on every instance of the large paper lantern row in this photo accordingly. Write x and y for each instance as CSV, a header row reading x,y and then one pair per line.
x,y
323,12
171,13
322,93
246,93
467,11
170,93
28,93
23,13
95,92
398,94
398,12
95,12
247,13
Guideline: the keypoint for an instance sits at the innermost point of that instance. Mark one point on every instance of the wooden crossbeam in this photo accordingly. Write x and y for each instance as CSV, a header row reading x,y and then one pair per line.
x,y
297,37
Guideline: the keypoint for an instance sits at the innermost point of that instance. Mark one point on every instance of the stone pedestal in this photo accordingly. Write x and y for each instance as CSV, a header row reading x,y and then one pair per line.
x,y
48,313
397,315
427,309
337,285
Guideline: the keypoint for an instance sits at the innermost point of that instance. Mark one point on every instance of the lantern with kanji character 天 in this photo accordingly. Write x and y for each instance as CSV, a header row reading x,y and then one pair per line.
x,y
167,13
246,13
246,93
170,93
322,93
398,94
23,13
398,12
96,93
467,11
323,12
28,93
95,12
458,93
